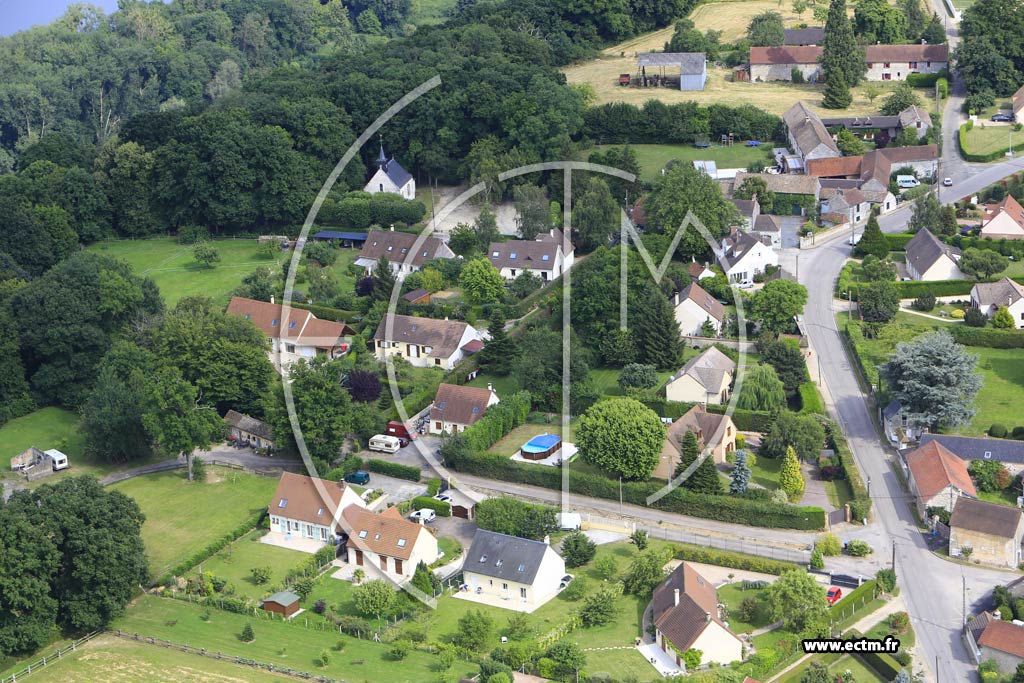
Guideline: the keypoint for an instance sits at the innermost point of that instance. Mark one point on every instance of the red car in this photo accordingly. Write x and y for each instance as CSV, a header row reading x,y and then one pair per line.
x,y
833,594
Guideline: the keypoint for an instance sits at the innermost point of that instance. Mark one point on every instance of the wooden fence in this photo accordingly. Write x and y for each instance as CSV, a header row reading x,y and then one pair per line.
x,y
49,659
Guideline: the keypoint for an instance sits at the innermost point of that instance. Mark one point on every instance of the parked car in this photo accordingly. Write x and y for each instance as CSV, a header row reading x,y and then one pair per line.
x,y
426,515
359,477
947,182
566,580
444,498
907,182
746,284
833,594
1002,118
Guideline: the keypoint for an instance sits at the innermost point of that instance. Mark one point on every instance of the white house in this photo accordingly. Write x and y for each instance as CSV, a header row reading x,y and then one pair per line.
x,y
391,177
685,614
387,542
294,333
400,250
457,407
308,508
693,307
987,297
705,378
747,256
896,62
930,259
511,572
543,257
426,342
1004,220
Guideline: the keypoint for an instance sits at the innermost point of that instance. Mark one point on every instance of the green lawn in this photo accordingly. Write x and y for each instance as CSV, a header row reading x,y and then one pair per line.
x,y
839,492
109,658
510,444
766,472
340,268
278,643
652,158
430,12
985,139
731,595
837,664
505,386
606,380
182,517
179,275
236,561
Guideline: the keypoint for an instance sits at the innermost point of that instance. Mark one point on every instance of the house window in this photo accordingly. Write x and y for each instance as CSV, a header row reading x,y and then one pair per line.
x,y
913,65
885,65
504,586
290,348
380,187
273,323
513,272
886,77
522,593
323,533
437,361
401,543
494,254
362,534
870,65
437,425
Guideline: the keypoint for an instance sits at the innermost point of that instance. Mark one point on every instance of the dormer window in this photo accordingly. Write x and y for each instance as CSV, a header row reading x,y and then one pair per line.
x,y
483,558
282,503
494,254
498,563
401,543
362,534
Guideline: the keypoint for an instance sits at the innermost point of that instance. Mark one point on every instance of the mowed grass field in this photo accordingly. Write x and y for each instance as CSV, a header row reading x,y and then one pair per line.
x,y
279,643
732,18
988,138
115,660
177,273
235,563
182,517
652,158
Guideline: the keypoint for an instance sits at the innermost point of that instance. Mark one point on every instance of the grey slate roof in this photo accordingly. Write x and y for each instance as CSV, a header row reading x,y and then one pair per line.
x,y
807,129
803,36
976,447
745,206
708,368
504,557
925,250
1001,293
985,518
443,335
248,424
398,175
892,410
282,598
689,63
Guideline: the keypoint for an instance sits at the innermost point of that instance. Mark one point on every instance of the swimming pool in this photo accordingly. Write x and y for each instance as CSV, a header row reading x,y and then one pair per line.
x,y
541,446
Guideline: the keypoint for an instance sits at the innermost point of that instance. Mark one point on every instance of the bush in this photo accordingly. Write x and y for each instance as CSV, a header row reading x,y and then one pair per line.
x,y
817,561
442,508
886,579
943,84
919,80
858,548
899,622
576,589
499,420
320,606
394,469
400,649
247,635
997,431
578,549
991,338
924,302
829,545
1018,433
433,486
260,575
957,314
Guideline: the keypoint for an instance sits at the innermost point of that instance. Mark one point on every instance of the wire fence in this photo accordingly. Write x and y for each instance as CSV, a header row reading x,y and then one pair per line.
x,y
47,660
242,661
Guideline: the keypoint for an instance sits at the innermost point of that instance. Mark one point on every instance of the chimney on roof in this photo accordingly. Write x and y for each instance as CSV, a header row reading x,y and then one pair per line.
x,y
675,595
707,617
392,228
547,540
489,387
271,298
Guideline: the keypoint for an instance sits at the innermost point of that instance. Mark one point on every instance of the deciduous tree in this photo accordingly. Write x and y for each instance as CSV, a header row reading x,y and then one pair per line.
x,y
761,390
982,263
621,436
481,282
777,304
798,600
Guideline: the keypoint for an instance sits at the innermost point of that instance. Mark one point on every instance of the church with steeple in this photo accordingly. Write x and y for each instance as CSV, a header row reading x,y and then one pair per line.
x,y
391,177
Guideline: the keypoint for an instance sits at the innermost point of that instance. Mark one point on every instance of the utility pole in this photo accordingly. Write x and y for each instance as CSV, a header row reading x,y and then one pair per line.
x,y
893,557
963,578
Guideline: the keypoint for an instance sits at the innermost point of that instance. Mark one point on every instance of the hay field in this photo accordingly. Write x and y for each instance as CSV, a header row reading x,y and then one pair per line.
x,y
731,18
776,97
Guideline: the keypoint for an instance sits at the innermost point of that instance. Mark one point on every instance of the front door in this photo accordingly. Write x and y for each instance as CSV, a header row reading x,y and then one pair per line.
x,y
359,558
398,566
384,562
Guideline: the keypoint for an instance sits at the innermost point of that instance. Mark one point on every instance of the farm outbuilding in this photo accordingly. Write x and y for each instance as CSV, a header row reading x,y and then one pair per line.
x,y
692,66
284,603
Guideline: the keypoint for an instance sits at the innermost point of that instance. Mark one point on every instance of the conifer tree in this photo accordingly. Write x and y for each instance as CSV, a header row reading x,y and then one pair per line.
x,y
791,480
837,91
740,474
705,478
840,52
499,353
872,241
656,331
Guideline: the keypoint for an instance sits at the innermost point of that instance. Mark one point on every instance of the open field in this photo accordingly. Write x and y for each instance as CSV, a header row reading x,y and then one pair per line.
x,y
179,275
236,561
776,97
652,158
115,660
985,138
279,643
182,516
732,18
837,664
430,11
346,257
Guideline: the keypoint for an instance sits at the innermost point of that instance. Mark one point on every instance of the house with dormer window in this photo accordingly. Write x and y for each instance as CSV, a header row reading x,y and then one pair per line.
x,y
426,342
511,572
309,509
543,257
457,407
401,250
387,542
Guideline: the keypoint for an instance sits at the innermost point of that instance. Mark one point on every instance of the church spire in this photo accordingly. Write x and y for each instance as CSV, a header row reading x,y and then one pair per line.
x,y
382,160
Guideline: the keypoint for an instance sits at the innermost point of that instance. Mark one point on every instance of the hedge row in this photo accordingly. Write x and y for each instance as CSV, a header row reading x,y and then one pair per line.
x,y
394,469
213,547
442,508
988,337
752,512
855,337
745,420
726,558
860,506
810,399
498,421
911,289
982,158
882,663
311,564
918,80
338,315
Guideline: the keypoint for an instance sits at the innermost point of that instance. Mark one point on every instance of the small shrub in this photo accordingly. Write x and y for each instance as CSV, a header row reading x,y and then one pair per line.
x,y
899,622
924,302
741,442
997,431
320,606
748,609
858,548
260,575
817,561
903,658
433,486
1018,433
247,635
324,658
639,539
400,649
958,314
577,549
886,579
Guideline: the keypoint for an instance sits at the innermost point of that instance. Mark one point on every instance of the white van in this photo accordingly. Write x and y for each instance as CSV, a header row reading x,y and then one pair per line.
x,y
907,182
385,443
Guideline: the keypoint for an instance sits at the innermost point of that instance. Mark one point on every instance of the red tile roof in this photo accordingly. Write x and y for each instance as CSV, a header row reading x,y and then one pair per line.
x,y
1003,636
683,623
297,497
934,467
459,404
387,533
835,167
284,322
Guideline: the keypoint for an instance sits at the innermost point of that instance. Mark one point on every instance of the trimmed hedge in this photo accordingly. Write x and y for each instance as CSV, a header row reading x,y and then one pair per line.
x,y
918,80
213,547
860,506
911,289
338,315
726,558
394,469
499,420
442,508
898,242
855,336
745,420
987,337
884,664
733,509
